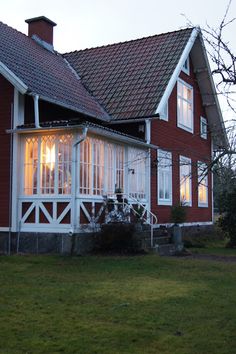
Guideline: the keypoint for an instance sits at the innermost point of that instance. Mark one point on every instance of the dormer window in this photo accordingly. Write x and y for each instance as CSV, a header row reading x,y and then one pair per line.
x,y
185,68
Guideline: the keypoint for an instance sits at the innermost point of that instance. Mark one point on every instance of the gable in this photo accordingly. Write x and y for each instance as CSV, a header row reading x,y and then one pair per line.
x,y
129,78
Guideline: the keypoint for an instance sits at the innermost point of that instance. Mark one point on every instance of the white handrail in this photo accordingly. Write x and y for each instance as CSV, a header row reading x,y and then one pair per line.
x,y
151,218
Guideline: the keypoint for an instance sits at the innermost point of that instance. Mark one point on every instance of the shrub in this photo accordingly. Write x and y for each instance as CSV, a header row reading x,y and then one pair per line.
x,y
118,237
227,221
178,214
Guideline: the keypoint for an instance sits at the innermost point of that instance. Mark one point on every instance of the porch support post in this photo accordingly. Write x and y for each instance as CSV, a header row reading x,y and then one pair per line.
x,y
75,178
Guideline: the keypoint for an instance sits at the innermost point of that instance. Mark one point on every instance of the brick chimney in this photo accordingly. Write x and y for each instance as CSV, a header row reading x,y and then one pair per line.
x,y
42,27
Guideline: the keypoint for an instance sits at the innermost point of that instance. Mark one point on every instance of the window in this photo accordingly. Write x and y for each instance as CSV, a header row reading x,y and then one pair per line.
x,y
137,173
95,156
47,164
185,181
202,185
92,166
203,128
164,177
186,66
185,106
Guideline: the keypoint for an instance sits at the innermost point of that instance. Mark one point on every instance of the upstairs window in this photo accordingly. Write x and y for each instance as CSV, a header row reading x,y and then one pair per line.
x,y
186,67
185,181
202,185
203,128
164,177
184,106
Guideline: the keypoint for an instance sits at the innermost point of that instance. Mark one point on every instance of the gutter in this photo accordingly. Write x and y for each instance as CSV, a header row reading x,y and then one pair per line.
x,y
134,120
95,130
175,75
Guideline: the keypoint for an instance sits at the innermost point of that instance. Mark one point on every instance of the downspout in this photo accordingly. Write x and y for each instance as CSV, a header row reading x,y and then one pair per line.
x,y
74,160
10,187
36,111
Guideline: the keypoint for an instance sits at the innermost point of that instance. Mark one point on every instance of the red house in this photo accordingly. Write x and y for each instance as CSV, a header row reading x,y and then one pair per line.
x,y
140,116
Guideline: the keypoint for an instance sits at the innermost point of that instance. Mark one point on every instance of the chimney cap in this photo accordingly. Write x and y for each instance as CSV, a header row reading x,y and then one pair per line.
x,y
41,18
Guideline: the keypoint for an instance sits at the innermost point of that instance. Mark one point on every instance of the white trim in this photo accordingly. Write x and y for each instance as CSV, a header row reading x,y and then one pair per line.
x,y
148,131
13,79
195,223
164,115
4,229
186,70
203,121
179,123
18,113
163,201
202,204
178,69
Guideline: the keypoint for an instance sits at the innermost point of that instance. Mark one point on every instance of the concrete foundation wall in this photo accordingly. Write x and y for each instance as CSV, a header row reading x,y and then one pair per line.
x,y
81,244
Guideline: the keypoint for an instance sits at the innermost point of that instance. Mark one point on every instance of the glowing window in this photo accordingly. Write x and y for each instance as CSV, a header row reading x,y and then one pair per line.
x,y
202,185
47,164
185,181
185,106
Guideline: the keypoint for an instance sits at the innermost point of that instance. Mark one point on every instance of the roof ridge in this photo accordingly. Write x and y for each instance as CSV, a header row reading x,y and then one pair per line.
x,y
129,41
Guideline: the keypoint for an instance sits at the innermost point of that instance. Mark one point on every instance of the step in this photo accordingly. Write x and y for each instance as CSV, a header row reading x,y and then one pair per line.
x,y
164,250
161,240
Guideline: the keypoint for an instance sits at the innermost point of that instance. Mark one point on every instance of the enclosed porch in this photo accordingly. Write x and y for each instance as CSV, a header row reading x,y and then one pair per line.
x,y
67,176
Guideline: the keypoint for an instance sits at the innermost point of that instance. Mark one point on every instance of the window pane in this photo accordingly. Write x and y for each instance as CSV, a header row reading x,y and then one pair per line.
x,y
85,166
202,184
31,166
185,180
164,177
64,164
185,106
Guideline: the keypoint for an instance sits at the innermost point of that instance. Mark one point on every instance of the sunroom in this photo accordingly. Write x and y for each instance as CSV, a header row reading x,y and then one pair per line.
x,y
68,174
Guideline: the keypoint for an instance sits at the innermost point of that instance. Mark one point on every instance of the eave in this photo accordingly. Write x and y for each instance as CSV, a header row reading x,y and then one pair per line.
x,y
93,129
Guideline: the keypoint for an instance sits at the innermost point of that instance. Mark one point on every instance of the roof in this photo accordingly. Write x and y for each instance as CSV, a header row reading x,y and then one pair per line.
x,y
92,127
129,78
45,73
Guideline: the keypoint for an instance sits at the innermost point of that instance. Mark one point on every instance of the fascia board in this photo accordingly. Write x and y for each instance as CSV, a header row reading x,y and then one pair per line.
x,y
214,91
175,75
13,79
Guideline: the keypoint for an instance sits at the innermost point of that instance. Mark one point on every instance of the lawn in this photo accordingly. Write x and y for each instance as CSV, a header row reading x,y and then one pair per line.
x,y
141,304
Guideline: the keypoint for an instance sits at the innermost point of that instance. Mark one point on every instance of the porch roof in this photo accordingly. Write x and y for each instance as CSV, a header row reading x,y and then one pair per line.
x,y
92,128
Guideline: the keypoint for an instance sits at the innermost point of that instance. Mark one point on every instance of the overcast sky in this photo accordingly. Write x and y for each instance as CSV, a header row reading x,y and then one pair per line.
x,y
88,23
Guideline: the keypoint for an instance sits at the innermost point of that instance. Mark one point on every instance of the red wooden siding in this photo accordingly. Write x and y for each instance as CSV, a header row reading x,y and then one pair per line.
x,y
180,142
6,99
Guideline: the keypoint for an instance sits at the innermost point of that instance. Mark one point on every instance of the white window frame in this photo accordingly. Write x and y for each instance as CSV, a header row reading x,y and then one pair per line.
x,y
186,68
183,162
203,128
180,123
54,167
167,170
202,183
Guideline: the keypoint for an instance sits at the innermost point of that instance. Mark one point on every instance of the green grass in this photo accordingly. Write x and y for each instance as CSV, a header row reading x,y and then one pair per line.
x,y
142,304
215,247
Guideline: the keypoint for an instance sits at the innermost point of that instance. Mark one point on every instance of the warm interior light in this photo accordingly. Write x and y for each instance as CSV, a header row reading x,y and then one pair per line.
x,y
50,157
